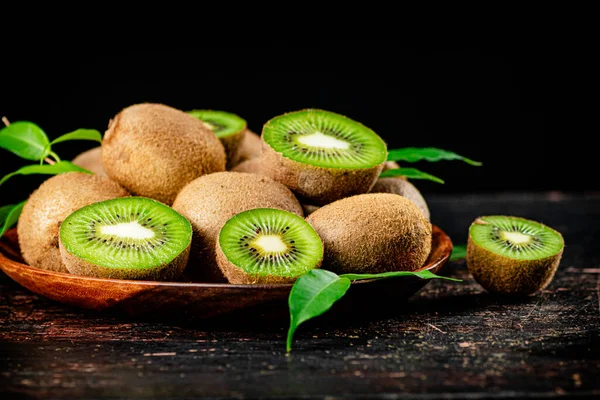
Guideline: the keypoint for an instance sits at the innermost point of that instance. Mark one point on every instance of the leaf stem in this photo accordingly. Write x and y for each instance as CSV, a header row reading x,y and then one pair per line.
x,y
55,156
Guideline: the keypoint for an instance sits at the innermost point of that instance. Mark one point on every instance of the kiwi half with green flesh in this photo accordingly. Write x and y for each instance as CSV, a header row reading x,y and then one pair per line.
x,y
251,147
322,156
372,233
229,128
128,238
209,201
267,245
154,150
513,255
47,207
91,160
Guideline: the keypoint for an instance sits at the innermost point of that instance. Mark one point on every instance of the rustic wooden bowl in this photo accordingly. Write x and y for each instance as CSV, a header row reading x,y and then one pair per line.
x,y
190,299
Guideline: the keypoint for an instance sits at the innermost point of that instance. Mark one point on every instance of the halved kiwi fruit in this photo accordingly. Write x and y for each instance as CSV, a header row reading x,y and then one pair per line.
x,y
229,128
322,156
267,245
513,255
128,238
47,207
372,233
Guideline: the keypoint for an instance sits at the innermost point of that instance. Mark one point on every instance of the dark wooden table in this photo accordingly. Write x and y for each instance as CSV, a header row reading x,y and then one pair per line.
x,y
451,340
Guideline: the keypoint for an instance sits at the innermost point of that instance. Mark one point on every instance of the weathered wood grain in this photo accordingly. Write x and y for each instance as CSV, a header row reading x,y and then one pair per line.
x,y
452,340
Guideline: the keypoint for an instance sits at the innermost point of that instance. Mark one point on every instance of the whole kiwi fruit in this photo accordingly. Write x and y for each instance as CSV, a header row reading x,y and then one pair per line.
x,y
209,201
46,208
250,147
511,255
322,156
252,166
372,233
402,187
91,160
154,150
309,209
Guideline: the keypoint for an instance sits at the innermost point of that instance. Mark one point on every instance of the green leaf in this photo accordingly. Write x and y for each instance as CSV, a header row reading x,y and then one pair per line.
x,y
394,274
458,252
80,134
411,173
12,213
313,294
414,154
25,139
45,169
4,210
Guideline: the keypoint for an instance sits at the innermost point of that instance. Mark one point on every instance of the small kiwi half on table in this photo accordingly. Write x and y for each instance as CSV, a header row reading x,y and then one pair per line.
x,y
513,255
322,156
126,238
230,128
266,246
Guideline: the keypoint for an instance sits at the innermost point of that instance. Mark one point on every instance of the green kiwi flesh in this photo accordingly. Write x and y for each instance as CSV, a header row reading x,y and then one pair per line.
x,y
322,156
266,245
513,255
127,238
229,128
372,233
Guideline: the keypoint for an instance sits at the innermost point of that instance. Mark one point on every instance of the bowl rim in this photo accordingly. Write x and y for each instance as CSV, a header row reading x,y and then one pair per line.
x,y
231,286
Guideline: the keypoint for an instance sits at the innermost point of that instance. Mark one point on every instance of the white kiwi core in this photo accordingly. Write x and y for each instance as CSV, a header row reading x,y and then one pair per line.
x,y
516,237
319,139
271,244
132,230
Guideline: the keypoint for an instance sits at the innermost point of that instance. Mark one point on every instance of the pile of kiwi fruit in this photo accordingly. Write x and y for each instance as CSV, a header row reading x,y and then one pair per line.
x,y
197,196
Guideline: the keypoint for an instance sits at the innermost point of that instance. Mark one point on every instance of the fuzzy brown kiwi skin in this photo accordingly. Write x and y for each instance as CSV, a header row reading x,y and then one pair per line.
x,y
404,188
91,160
317,185
209,201
309,209
48,206
154,150
238,276
372,233
168,272
232,145
250,147
252,166
506,276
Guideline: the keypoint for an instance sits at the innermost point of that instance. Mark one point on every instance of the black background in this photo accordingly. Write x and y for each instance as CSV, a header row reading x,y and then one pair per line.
x,y
518,110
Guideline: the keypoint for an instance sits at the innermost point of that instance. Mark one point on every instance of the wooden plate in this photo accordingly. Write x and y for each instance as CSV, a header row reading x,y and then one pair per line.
x,y
169,299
